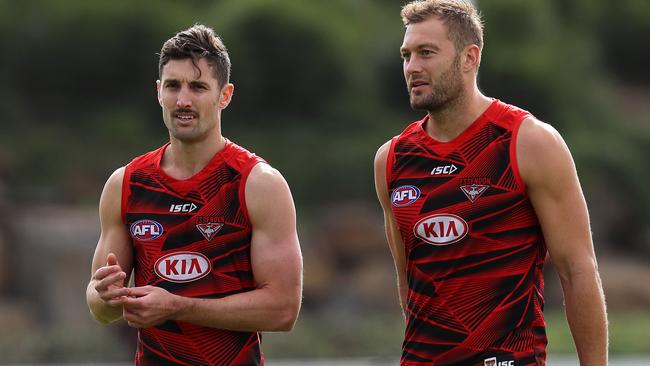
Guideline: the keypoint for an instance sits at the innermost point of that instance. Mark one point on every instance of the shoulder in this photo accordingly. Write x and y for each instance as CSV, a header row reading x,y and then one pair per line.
x,y
114,182
382,153
541,151
263,175
265,184
268,197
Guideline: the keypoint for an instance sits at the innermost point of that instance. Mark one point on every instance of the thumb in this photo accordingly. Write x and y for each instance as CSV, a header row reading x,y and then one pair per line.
x,y
111,259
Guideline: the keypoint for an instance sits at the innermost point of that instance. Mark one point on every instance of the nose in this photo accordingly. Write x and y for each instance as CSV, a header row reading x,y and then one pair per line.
x,y
412,66
184,100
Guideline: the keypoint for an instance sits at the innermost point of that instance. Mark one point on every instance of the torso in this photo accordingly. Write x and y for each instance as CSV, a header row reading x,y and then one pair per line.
x,y
192,237
473,245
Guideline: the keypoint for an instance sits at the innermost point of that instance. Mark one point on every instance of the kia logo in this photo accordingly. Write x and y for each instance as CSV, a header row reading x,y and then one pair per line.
x,y
183,266
441,229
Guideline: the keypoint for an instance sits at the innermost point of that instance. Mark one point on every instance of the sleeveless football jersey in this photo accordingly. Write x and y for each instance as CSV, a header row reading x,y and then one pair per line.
x,y
473,245
192,237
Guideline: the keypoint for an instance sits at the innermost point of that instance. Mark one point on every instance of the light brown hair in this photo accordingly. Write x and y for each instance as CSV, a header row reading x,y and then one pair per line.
x,y
462,19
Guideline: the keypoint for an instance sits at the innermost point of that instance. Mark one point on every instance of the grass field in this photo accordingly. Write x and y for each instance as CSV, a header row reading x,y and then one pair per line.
x,y
381,336
318,339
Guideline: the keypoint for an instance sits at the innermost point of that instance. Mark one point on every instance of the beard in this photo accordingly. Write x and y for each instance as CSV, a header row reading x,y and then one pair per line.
x,y
444,92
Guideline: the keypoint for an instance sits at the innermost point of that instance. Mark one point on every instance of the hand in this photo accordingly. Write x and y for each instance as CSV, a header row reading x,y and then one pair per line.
x,y
149,306
109,282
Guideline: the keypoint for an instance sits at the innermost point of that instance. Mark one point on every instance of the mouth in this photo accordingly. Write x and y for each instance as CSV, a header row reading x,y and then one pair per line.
x,y
417,85
185,117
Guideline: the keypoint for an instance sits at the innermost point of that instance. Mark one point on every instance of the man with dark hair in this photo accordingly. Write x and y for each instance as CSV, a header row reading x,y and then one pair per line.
x,y
474,196
208,228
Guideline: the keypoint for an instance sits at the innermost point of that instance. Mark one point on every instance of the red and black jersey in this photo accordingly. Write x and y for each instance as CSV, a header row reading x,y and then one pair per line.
x,y
473,245
193,238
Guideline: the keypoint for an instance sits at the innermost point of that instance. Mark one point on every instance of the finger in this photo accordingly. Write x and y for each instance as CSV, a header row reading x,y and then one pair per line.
x,y
105,271
116,279
117,301
135,325
131,304
111,260
115,294
140,291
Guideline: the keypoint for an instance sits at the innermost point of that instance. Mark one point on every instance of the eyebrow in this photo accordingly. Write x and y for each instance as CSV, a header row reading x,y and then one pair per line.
x,y
433,46
193,82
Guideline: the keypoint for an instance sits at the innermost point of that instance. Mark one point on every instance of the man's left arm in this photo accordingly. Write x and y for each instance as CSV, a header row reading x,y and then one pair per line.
x,y
276,263
549,173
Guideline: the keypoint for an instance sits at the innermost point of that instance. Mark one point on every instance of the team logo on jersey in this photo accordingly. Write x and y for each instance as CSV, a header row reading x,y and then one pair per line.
x,y
182,266
209,230
474,191
209,226
444,169
492,361
405,195
441,229
146,230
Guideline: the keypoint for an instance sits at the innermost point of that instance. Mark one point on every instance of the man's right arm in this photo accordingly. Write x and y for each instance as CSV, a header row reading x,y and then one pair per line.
x,y
395,242
113,259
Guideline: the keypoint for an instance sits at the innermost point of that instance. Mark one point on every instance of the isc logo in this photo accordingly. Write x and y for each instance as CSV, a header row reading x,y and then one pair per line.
x,y
188,207
182,266
444,170
405,195
146,230
441,229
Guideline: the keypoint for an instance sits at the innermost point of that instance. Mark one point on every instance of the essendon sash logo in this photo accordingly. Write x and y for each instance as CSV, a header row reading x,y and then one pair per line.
x,y
441,229
182,266
209,226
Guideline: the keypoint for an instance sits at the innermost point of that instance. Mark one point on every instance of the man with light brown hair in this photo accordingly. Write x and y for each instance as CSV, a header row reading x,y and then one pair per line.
x,y
474,196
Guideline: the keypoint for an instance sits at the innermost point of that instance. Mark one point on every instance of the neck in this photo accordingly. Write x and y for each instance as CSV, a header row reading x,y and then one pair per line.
x,y
183,159
447,123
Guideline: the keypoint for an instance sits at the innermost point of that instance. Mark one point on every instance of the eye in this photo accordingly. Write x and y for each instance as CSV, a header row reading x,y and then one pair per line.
x,y
405,56
426,53
171,85
198,86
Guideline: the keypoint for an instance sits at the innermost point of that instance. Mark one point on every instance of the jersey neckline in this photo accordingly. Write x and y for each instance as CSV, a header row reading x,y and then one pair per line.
x,y
460,137
219,155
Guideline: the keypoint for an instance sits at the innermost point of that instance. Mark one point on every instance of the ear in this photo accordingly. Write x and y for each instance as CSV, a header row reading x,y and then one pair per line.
x,y
226,95
158,92
471,58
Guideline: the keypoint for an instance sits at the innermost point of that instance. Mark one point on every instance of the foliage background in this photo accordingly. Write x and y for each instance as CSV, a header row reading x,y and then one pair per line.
x,y
318,88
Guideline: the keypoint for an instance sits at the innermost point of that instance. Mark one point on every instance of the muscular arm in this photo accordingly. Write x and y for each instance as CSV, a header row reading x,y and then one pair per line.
x,y
277,266
395,242
550,176
110,274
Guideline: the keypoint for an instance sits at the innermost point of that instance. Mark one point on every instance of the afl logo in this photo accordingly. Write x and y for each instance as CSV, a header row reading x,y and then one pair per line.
x,y
405,195
146,230
182,267
441,229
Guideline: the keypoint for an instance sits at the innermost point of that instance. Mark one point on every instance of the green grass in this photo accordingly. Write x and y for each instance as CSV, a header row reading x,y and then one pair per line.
x,y
374,335
629,333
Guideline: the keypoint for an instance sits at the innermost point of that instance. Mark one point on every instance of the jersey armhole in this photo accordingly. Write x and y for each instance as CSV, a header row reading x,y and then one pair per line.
x,y
126,191
390,160
242,186
513,151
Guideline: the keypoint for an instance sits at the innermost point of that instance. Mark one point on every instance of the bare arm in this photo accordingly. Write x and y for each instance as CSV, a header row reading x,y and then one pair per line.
x,y
548,170
395,242
277,267
112,262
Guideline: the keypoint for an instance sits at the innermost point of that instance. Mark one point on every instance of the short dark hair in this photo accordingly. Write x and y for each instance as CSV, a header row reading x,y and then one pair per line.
x,y
195,43
460,16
